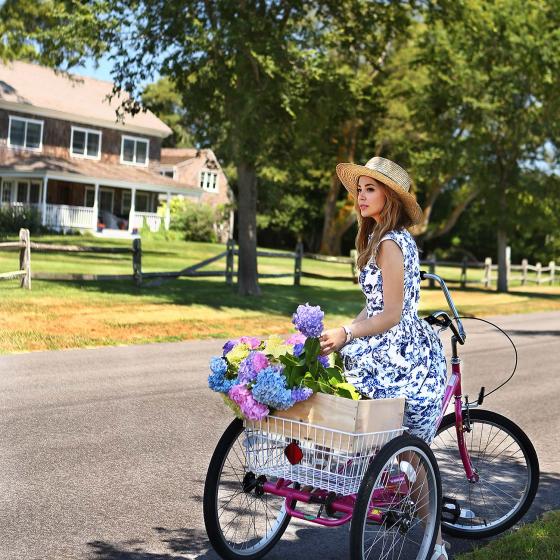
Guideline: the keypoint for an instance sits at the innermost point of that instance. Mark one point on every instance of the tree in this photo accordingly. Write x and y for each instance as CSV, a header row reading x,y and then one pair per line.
x,y
493,71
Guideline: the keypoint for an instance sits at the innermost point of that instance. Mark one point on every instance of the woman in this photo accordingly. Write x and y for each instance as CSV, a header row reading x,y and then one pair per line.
x,y
387,350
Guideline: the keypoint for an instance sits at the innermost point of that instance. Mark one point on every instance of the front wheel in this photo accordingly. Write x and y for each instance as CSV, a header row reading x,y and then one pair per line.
x,y
396,515
242,522
508,469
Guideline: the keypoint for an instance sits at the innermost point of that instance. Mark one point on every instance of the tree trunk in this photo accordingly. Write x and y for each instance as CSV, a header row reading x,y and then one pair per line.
x,y
502,265
247,279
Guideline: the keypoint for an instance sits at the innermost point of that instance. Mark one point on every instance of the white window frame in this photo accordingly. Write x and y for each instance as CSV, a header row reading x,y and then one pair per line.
x,y
26,121
203,184
135,139
87,132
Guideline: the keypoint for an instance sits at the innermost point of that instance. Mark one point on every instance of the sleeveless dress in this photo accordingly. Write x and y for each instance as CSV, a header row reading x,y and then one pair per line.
x,y
408,359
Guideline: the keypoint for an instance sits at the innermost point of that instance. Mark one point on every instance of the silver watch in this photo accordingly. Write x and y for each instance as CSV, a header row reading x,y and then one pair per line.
x,y
349,334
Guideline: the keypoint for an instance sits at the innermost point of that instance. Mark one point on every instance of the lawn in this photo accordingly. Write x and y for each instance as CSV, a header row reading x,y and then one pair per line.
x,y
539,541
56,315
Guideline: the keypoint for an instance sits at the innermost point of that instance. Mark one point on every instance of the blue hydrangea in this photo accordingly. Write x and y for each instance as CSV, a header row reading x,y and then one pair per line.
x,y
246,372
217,379
308,320
298,349
301,394
324,361
270,389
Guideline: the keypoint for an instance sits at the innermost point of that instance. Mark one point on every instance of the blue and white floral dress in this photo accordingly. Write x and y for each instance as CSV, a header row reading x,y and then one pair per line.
x,y
408,359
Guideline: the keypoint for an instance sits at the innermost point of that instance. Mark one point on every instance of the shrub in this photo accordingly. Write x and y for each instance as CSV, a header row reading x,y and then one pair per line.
x,y
194,220
13,218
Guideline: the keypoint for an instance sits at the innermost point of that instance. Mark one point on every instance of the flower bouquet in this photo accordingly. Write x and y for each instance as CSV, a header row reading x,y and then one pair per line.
x,y
257,377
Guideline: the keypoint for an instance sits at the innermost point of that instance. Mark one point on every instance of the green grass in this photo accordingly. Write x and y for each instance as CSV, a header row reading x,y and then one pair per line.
x,y
539,540
57,314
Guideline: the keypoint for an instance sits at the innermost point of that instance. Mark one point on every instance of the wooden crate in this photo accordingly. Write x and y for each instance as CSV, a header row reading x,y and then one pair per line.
x,y
335,413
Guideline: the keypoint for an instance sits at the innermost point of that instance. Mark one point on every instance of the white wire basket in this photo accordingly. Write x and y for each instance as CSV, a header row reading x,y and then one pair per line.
x,y
331,460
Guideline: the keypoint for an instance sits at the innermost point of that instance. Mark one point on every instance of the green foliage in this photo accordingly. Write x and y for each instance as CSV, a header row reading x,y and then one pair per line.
x,y
194,220
12,219
306,370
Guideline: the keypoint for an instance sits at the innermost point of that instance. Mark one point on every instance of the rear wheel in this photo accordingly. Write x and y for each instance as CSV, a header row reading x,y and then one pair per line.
x,y
508,469
409,510
241,520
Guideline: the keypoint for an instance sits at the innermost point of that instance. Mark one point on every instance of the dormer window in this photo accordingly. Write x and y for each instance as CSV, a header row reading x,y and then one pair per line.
x,y
134,150
209,180
25,133
85,143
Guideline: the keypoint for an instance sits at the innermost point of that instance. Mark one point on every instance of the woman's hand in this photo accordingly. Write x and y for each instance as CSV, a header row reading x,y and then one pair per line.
x,y
332,340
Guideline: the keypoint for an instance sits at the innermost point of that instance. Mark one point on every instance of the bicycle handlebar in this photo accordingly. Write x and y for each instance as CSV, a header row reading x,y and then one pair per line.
x,y
460,330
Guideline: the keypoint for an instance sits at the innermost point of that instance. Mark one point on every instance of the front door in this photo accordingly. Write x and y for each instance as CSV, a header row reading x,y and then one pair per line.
x,y
106,197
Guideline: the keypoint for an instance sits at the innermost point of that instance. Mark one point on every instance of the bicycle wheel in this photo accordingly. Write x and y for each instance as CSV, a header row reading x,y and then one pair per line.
x,y
507,465
241,521
409,511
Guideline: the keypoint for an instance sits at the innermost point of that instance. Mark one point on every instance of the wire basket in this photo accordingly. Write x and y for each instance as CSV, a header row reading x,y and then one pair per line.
x,y
328,459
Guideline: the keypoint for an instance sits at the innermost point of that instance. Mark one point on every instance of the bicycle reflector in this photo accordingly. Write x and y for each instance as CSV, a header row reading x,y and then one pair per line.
x,y
293,453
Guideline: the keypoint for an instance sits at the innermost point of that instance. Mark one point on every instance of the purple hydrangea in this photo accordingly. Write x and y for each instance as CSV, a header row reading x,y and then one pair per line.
x,y
251,341
251,409
270,389
324,361
228,346
301,394
246,372
296,338
308,320
298,350
260,361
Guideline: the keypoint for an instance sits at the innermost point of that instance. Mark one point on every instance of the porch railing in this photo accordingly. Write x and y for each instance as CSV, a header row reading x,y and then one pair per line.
x,y
152,220
61,215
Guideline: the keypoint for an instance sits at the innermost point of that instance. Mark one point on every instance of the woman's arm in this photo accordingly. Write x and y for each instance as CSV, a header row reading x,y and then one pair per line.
x,y
391,262
360,316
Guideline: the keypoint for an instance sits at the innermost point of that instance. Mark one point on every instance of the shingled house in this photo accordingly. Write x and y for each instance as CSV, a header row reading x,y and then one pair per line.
x,y
62,152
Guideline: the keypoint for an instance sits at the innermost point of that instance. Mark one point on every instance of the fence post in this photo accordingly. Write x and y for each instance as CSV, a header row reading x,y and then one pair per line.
x,y
487,272
464,272
524,271
297,263
354,265
552,266
432,270
230,249
25,258
539,273
137,260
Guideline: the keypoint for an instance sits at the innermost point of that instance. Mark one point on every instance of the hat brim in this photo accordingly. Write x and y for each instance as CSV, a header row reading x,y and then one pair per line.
x,y
349,173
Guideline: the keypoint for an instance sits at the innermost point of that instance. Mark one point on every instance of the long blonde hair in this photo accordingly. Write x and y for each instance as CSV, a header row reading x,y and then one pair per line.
x,y
393,216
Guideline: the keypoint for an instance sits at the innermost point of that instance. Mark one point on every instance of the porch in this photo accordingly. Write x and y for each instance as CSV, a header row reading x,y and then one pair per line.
x,y
103,209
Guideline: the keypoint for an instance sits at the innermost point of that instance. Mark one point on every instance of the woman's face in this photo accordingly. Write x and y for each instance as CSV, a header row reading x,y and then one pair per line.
x,y
371,197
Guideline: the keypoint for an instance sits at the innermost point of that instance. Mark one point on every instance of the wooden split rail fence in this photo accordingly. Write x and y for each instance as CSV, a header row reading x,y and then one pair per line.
x,y
542,275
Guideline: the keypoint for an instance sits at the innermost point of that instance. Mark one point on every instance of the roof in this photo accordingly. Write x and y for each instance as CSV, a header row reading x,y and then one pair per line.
x,y
172,156
43,91
88,171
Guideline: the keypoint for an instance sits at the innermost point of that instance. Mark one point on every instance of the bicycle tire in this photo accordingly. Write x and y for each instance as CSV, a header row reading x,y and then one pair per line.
x,y
455,483
213,518
393,517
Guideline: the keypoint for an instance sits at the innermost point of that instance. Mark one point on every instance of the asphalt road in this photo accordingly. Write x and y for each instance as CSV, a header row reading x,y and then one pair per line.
x,y
103,452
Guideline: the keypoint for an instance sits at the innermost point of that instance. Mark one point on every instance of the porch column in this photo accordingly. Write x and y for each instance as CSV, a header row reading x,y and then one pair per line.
x,y
95,207
168,211
44,201
131,218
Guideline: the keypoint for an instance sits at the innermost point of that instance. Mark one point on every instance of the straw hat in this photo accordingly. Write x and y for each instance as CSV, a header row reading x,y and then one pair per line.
x,y
388,173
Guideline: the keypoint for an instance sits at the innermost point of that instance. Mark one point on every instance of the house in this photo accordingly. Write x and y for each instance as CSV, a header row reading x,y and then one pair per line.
x,y
63,152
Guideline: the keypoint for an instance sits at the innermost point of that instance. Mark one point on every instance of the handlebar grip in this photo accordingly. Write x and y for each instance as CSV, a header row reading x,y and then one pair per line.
x,y
422,275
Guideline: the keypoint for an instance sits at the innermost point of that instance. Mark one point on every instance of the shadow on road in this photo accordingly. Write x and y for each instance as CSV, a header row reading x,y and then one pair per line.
x,y
315,543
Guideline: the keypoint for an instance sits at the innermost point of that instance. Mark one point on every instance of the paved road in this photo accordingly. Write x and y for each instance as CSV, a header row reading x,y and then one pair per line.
x,y
103,452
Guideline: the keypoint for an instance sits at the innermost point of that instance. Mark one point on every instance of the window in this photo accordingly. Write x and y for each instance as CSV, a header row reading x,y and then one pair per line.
x,y
34,192
6,191
126,198
134,150
85,143
167,173
209,180
89,198
25,133
22,191
141,202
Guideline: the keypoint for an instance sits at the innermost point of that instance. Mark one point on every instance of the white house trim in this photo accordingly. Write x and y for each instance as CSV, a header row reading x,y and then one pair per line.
x,y
83,119
87,132
26,121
